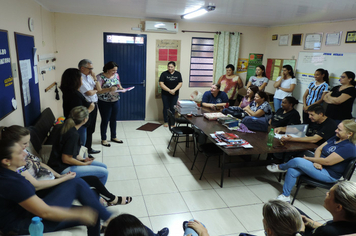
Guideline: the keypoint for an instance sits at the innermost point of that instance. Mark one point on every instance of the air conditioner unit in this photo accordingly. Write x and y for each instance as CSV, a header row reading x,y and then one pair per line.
x,y
161,27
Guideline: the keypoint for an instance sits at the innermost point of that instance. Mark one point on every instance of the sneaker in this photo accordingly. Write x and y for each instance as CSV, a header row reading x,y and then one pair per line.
x,y
274,168
163,232
283,198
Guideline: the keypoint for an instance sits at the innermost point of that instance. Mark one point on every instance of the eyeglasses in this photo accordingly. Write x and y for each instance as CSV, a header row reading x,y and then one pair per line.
x,y
342,76
89,68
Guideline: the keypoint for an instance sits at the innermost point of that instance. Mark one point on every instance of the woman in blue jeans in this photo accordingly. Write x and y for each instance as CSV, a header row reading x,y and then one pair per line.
x,y
65,152
329,161
19,202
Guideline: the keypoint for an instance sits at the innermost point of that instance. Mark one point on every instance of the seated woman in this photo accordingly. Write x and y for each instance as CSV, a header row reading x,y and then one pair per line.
x,y
230,84
281,218
250,96
215,98
42,177
340,201
341,98
65,152
260,106
19,202
286,115
129,225
329,161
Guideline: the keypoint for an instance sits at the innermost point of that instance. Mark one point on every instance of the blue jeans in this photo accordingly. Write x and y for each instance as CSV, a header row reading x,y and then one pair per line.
x,y
277,104
108,112
96,168
168,103
299,166
189,230
63,195
82,131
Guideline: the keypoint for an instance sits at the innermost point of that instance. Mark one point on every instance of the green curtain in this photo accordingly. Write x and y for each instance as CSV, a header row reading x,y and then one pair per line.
x,y
226,51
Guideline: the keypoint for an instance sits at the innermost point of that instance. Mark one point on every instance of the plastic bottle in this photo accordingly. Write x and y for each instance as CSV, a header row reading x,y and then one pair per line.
x,y
36,227
270,138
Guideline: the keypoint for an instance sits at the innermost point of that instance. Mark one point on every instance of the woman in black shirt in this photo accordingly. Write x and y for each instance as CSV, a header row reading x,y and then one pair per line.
x,y
286,115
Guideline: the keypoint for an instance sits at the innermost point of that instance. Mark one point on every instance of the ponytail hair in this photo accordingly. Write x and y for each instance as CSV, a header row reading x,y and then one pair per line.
x,y
76,116
14,132
6,146
325,73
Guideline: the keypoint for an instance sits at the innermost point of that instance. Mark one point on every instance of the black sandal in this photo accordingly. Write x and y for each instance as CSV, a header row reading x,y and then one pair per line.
x,y
116,141
119,201
105,144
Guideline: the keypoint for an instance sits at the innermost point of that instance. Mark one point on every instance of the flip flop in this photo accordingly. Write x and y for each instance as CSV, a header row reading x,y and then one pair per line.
x,y
106,144
116,140
121,201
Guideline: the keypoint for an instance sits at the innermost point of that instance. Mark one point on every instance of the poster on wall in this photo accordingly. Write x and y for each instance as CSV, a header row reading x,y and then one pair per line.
x,y
255,60
274,67
7,90
242,65
166,50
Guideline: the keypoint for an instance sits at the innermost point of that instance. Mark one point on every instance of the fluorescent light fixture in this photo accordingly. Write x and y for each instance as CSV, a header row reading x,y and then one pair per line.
x,y
198,12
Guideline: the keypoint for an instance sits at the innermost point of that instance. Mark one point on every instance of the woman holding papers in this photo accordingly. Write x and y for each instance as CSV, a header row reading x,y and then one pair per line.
x,y
341,98
108,99
328,163
315,92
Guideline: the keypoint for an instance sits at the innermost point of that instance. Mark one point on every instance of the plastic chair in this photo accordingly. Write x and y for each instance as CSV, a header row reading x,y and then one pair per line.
x,y
304,179
208,149
177,131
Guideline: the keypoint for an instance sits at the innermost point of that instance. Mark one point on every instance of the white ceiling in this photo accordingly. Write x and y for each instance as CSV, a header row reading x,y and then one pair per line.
x,y
240,12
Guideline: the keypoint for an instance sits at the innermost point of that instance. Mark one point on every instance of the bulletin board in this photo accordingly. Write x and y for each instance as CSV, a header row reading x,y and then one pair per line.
x,y
166,50
7,90
275,66
30,94
335,63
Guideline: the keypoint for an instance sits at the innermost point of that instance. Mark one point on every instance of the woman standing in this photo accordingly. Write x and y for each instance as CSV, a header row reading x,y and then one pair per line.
x,y
315,92
341,98
230,84
19,202
170,82
108,101
250,96
65,151
72,97
284,85
260,79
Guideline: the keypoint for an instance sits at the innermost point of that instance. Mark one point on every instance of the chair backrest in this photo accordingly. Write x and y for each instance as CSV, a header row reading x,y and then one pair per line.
x,y
199,138
171,119
349,170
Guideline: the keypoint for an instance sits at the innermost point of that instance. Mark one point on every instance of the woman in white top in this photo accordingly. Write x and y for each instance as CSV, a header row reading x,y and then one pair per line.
x,y
260,79
284,85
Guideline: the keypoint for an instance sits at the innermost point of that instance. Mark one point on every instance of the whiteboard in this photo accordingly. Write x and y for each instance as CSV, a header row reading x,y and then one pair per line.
x,y
335,63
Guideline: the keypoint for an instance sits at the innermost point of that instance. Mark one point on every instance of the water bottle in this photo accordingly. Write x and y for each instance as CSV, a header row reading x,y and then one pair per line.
x,y
36,227
270,138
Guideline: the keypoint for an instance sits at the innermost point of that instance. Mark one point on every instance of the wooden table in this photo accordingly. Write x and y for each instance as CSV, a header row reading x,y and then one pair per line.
x,y
258,140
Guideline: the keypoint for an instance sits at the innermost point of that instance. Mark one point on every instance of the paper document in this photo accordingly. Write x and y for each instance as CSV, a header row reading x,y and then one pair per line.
x,y
125,89
279,136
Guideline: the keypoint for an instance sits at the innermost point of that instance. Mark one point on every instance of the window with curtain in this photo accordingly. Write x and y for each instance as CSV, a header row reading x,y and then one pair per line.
x,y
201,62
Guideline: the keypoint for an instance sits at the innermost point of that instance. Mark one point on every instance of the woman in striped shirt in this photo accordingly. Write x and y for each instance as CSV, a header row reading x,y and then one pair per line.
x,y
315,92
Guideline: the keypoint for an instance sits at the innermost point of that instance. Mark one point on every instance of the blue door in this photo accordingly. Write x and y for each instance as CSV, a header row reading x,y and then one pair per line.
x,y
129,52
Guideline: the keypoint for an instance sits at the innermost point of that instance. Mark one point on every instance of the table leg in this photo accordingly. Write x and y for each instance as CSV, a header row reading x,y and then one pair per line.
x,y
222,170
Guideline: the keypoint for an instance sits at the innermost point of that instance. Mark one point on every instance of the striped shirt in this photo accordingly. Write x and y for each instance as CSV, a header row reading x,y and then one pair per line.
x,y
316,92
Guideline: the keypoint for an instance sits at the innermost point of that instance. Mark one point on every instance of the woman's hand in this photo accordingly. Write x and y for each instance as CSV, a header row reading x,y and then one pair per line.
x,y
86,163
246,108
286,138
113,89
198,227
69,175
172,91
318,166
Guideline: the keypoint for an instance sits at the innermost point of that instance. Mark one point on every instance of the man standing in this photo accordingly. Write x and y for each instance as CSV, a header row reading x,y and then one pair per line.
x,y
89,88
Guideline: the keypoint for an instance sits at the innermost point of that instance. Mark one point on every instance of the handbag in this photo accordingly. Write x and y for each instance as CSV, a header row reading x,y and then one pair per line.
x,y
256,123
235,111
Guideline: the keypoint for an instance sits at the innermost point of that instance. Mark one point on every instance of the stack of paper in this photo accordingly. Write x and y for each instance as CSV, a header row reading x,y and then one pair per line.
x,y
187,107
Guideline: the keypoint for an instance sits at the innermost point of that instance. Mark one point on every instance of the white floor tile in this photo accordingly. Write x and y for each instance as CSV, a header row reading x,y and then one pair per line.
x,y
138,141
250,216
157,186
178,169
124,187
190,182
174,222
136,207
163,204
214,180
121,173
219,221
238,196
142,150
151,171
146,159
118,161
115,150
203,200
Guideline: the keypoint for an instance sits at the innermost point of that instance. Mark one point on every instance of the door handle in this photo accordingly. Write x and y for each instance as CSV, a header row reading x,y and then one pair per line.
x,y
143,83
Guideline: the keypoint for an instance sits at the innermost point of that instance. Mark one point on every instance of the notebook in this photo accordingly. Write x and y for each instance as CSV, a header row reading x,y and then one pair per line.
x,y
297,131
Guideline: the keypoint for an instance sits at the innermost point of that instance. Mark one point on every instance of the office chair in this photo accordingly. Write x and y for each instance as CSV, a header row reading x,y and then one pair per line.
x,y
349,170
177,131
208,149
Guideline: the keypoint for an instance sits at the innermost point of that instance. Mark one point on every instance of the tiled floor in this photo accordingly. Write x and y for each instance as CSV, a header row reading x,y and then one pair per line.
x,y
166,192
